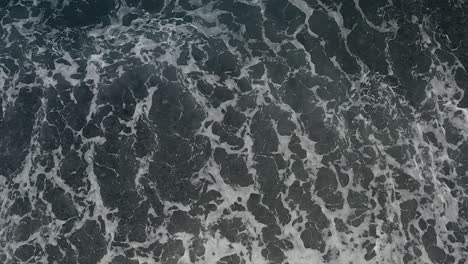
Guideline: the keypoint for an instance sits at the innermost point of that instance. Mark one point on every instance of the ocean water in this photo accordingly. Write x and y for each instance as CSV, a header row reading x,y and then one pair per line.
x,y
233,132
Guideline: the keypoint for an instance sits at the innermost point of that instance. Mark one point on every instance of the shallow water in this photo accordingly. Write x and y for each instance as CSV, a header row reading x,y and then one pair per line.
x,y
196,131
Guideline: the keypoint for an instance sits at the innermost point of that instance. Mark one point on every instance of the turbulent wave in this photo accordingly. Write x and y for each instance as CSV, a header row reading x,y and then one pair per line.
x,y
249,131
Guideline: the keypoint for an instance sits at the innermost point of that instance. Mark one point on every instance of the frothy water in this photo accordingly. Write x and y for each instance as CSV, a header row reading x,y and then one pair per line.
x,y
233,132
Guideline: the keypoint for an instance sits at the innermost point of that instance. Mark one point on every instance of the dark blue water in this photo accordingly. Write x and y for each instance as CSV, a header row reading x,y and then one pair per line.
x,y
233,132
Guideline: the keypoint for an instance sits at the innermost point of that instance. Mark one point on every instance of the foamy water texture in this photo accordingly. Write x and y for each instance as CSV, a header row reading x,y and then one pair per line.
x,y
233,132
